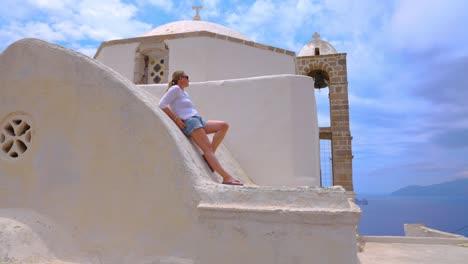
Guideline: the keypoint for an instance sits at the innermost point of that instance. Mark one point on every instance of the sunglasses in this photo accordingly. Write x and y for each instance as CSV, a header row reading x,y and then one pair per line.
x,y
185,77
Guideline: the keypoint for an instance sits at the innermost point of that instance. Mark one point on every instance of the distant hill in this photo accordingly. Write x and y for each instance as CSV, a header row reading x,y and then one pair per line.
x,y
451,188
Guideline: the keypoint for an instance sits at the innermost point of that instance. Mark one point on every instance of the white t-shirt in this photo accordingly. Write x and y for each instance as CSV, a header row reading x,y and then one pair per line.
x,y
179,102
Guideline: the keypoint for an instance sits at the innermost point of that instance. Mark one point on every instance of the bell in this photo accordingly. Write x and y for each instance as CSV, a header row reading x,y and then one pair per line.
x,y
320,79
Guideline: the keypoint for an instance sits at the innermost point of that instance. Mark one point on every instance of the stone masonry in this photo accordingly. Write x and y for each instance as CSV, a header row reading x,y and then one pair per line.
x,y
339,132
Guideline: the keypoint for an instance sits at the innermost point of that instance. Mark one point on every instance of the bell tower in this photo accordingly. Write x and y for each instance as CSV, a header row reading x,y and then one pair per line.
x,y
320,60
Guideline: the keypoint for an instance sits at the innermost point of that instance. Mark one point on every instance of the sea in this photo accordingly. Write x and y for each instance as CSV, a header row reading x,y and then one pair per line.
x,y
385,215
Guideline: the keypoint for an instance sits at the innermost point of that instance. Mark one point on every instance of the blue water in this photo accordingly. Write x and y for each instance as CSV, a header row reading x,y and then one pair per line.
x,y
385,214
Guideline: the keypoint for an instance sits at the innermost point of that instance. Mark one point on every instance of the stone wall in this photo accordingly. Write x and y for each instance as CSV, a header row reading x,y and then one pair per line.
x,y
335,66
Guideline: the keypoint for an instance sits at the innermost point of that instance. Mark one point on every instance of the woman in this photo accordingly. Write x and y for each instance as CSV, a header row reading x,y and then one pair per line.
x,y
177,105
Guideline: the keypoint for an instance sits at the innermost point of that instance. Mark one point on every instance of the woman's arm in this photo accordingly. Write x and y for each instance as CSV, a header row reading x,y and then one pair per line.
x,y
167,99
174,118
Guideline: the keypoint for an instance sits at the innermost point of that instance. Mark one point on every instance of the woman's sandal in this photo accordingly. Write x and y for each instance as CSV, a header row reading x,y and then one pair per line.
x,y
234,182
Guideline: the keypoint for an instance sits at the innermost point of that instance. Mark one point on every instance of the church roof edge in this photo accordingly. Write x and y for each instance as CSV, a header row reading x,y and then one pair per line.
x,y
193,34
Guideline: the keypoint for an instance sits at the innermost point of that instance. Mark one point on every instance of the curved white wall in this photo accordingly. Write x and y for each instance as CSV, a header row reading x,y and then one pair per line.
x,y
93,167
273,125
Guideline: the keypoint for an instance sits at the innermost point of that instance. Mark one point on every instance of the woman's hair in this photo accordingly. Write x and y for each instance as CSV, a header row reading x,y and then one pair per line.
x,y
175,77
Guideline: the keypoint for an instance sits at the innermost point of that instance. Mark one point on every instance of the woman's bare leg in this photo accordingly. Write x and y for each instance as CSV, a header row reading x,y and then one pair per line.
x,y
220,129
201,139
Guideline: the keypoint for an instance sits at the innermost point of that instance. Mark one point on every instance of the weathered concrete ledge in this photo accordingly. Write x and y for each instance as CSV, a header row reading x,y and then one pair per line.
x,y
414,240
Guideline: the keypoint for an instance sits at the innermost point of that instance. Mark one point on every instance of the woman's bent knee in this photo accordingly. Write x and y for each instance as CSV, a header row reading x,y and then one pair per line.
x,y
225,126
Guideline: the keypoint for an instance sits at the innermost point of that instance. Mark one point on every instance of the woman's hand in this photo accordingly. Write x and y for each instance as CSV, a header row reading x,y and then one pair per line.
x,y
180,123
174,118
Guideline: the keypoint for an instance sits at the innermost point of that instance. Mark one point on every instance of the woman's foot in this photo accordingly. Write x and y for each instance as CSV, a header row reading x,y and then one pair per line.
x,y
233,182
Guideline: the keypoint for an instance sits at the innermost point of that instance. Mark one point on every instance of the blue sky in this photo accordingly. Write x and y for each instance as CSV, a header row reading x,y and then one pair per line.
x,y
407,66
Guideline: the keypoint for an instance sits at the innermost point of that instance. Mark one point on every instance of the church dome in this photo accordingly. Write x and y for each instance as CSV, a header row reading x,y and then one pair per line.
x,y
188,26
317,47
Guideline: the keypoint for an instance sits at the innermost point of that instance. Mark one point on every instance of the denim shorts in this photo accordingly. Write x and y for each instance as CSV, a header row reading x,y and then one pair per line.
x,y
193,123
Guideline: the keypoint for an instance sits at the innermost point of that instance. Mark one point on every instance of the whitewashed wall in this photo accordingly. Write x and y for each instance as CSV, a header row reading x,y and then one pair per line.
x,y
273,125
205,58
120,58
215,59
91,154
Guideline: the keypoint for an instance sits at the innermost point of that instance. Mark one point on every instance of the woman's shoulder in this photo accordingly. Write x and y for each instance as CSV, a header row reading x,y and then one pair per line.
x,y
175,88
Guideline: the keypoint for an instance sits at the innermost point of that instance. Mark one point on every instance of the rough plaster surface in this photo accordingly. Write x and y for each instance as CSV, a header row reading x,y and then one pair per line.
x,y
216,59
120,58
121,184
402,253
187,26
260,111
28,237
420,230
206,59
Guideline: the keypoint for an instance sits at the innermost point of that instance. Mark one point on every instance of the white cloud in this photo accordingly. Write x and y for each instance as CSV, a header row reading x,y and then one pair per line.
x,y
49,4
249,19
323,119
14,9
166,5
86,50
275,23
419,26
211,9
352,17
39,30
356,27
386,103
70,29
70,21
109,19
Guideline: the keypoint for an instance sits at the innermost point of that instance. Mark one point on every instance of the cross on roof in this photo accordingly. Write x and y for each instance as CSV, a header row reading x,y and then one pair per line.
x,y
316,36
197,15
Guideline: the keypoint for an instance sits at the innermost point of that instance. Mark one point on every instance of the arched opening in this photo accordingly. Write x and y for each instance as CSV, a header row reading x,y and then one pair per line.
x,y
155,58
326,166
326,162
321,78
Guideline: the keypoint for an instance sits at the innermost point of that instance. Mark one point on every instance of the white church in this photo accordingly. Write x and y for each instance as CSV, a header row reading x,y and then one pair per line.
x,y
92,171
